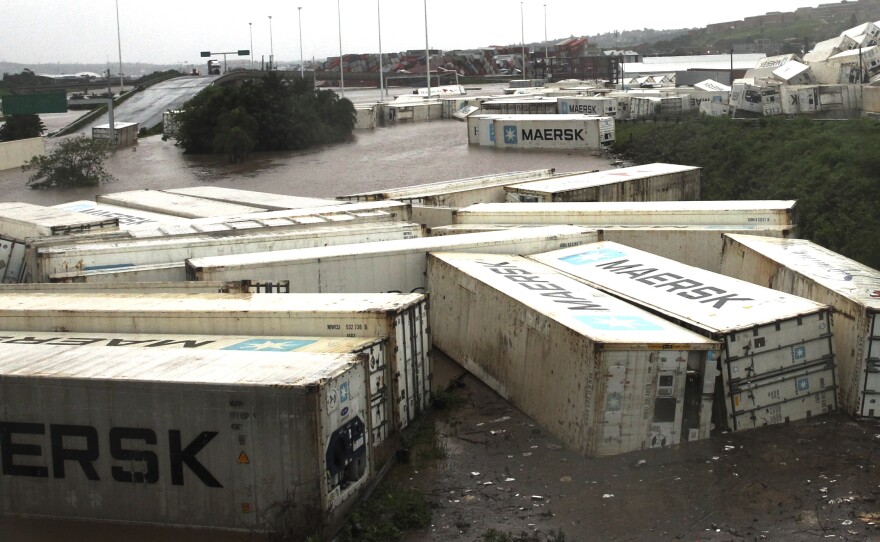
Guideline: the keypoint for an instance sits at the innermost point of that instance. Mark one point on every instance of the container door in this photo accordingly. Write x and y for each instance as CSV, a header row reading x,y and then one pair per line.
x,y
668,398
871,390
5,255
380,394
15,269
415,346
400,373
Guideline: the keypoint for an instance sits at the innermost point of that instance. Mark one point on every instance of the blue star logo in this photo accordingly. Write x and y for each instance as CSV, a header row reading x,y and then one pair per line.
x,y
618,323
798,352
592,256
802,384
492,132
269,345
510,135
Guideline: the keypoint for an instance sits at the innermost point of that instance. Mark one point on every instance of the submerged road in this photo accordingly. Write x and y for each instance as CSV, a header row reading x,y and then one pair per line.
x,y
146,107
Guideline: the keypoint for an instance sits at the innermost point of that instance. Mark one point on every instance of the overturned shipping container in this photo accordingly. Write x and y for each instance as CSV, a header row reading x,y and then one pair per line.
x,y
388,266
400,318
602,375
803,268
563,132
777,360
219,439
650,182
158,201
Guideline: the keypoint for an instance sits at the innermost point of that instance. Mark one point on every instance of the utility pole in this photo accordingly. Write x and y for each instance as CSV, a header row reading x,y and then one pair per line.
x,y
251,30
119,43
381,77
522,28
271,46
427,51
302,62
546,55
341,71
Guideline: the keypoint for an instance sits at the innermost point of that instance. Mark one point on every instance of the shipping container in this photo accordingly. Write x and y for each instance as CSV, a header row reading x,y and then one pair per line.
x,y
699,246
455,193
803,268
534,105
43,262
454,104
430,216
659,213
365,118
770,340
264,200
456,229
592,105
644,106
649,182
715,109
191,287
389,266
401,318
481,129
157,272
377,363
696,98
236,440
563,132
158,201
127,217
22,221
11,261
409,111
799,99
126,133
600,374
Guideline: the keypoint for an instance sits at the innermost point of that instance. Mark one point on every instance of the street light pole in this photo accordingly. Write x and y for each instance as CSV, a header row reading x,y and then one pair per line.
x,y
522,29
302,62
341,72
381,77
271,46
119,42
546,55
427,51
251,31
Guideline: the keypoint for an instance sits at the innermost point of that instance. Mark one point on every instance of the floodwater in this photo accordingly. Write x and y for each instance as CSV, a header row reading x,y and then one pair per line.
x,y
403,155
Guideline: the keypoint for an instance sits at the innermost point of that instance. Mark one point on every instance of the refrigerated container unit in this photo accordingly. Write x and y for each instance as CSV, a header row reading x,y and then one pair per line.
x,y
592,105
777,360
600,374
158,201
520,106
157,272
44,262
126,133
402,318
127,217
410,111
22,222
644,106
803,268
190,287
655,213
456,229
237,440
799,99
454,104
374,350
365,117
698,97
455,193
389,266
699,246
264,200
650,182
563,132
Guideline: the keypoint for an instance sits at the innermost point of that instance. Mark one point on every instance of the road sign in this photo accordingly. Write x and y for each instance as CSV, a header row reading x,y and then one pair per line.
x,y
243,52
33,104
206,53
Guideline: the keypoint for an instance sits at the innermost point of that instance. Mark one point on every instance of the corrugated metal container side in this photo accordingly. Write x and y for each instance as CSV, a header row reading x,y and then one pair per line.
x,y
699,246
191,287
236,441
431,216
344,213
768,337
650,182
175,204
160,272
264,200
44,262
594,105
655,213
389,266
377,362
803,268
365,117
567,132
437,193
456,229
22,221
603,376
401,318
12,259
127,217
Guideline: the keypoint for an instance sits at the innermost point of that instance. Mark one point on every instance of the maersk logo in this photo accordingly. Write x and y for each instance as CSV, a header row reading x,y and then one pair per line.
x,y
492,132
802,384
593,256
618,323
270,345
510,137
798,352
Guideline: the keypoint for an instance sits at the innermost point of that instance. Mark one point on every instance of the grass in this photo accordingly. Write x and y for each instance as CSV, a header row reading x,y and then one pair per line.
x,y
386,515
493,535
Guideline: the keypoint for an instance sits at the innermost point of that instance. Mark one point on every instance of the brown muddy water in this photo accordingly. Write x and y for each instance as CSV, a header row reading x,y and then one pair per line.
x,y
402,155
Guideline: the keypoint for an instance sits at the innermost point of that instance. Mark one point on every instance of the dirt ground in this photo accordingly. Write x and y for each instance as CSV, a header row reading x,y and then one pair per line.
x,y
811,480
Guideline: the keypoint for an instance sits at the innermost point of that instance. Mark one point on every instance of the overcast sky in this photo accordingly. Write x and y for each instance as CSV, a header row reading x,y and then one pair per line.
x,y
169,32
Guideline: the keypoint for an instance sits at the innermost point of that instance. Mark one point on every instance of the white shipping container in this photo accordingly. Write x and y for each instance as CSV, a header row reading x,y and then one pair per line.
x,y
650,182
126,133
22,221
456,229
799,99
766,335
644,106
454,104
157,272
592,105
602,375
365,117
455,193
264,200
699,246
190,287
803,268
44,262
526,105
228,440
127,217
696,98
567,132
481,129
660,213
714,109
12,261
174,204
389,266
377,362
401,318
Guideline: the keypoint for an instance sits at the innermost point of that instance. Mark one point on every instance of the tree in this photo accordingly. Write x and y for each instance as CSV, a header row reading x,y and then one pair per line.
x,y
76,162
236,135
21,127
